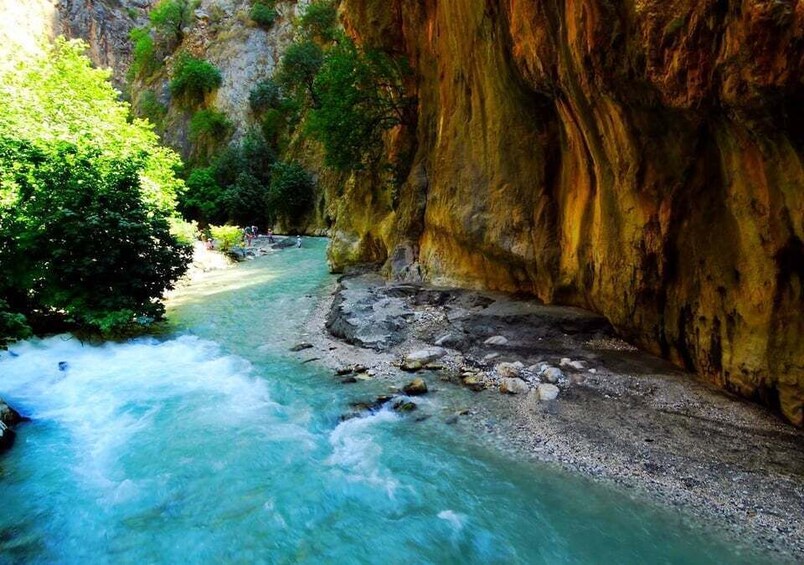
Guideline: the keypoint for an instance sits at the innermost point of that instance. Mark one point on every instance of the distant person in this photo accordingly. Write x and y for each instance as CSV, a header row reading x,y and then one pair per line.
x,y
247,235
254,231
270,235
298,241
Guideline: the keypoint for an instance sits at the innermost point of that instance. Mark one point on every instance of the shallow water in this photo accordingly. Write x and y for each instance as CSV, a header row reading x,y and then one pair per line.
x,y
212,444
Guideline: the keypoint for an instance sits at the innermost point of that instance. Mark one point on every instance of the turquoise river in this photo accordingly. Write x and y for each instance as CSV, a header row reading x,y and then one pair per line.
x,y
214,444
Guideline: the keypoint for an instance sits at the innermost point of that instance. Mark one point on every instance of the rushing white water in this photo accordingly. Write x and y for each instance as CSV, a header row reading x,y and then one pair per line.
x,y
212,445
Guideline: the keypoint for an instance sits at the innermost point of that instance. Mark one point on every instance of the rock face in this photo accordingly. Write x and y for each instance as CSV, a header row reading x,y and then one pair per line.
x,y
643,160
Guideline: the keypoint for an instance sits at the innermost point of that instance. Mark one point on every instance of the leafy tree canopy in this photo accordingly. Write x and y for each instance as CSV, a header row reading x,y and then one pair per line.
x,y
60,96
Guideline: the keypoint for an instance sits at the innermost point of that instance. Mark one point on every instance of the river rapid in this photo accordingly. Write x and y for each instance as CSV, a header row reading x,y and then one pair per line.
x,y
213,444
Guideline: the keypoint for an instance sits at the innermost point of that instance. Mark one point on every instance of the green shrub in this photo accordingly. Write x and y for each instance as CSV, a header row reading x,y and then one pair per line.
x,y
263,14
226,237
170,17
194,78
185,232
319,20
209,126
78,242
13,326
291,193
264,96
151,108
204,198
144,53
299,67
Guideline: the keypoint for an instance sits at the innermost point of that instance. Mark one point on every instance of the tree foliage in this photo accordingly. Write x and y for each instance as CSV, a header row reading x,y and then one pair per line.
x,y
60,96
194,78
234,187
170,17
85,193
359,98
263,13
319,21
291,193
78,240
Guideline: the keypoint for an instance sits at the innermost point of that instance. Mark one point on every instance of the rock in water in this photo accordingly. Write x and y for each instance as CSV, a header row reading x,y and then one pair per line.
x,y
548,392
418,359
6,437
416,387
8,415
301,346
513,386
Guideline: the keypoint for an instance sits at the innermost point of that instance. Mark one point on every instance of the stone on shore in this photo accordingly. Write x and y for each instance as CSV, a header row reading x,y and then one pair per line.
x,y
474,383
416,387
418,359
301,346
513,386
496,340
510,370
551,375
548,392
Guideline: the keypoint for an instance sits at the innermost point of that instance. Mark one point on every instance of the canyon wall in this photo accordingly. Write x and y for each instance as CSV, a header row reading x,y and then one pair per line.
x,y
642,159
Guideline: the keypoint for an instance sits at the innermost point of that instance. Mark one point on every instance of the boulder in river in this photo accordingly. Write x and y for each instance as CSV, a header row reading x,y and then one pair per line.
x,y
6,437
416,387
8,415
418,359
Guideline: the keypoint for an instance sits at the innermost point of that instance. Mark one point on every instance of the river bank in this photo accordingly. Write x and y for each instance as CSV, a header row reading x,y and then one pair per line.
x,y
621,416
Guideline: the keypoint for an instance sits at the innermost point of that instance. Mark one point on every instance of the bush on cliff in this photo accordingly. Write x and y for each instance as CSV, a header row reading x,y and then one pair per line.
x,y
194,78
263,13
319,20
209,127
170,17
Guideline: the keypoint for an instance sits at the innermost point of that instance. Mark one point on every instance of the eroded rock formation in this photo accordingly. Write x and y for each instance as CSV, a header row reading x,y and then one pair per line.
x,y
643,160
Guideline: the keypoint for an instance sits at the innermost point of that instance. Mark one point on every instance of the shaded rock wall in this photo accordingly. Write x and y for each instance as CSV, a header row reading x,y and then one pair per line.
x,y
641,159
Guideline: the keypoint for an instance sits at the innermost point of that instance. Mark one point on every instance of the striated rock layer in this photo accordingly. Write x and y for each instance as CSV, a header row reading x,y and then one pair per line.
x,y
641,159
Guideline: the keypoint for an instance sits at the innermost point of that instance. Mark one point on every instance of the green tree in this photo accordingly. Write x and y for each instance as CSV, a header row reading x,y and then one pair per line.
x,y
299,67
79,241
209,126
319,21
360,96
170,17
60,96
292,192
144,54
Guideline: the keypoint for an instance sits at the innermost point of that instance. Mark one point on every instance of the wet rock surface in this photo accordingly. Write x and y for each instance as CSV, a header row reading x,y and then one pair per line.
x,y
585,399
8,418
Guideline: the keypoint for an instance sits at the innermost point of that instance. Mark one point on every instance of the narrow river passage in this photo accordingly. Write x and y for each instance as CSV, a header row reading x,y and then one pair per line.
x,y
213,444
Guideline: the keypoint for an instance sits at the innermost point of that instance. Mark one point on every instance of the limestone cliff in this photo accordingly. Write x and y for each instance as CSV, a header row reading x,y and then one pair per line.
x,y
641,159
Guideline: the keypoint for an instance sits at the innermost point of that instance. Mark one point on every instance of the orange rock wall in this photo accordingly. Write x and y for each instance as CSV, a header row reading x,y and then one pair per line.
x,y
641,158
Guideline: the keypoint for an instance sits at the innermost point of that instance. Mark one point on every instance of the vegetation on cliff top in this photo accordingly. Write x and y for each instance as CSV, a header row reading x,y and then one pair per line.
x,y
85,198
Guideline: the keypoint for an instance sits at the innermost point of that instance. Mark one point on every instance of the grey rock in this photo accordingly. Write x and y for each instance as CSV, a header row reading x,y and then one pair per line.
x,y
552,375
496,340
548,392
301,346
513,386
418,359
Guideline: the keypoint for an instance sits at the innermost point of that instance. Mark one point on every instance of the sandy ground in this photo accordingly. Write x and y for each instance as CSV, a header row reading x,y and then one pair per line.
x,y
625,418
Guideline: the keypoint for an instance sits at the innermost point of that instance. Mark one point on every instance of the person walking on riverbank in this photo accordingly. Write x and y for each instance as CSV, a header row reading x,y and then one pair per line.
x,y
298,241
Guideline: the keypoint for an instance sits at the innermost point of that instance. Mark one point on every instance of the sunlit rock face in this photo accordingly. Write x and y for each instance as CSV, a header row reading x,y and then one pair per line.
x,y
641,159
25,26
